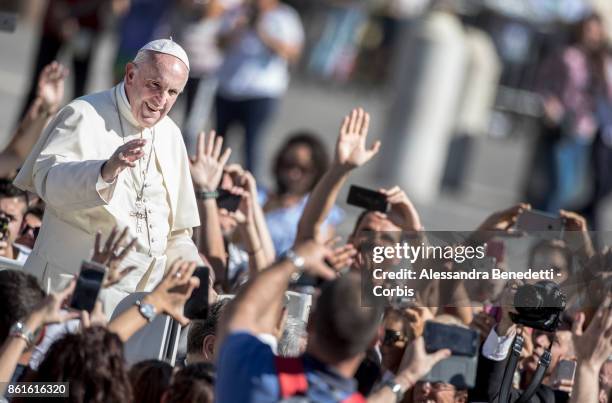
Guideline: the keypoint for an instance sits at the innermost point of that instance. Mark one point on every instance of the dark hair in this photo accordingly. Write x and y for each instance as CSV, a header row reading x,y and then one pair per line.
x,y
343,327
7,189
19,294
92,361
199,329
149,380
318,151
194,383
596,57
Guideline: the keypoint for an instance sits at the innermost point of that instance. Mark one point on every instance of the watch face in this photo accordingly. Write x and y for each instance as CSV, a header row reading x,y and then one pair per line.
x,y
147,310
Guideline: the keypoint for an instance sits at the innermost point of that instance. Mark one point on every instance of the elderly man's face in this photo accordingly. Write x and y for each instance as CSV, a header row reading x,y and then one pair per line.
x,y
152,86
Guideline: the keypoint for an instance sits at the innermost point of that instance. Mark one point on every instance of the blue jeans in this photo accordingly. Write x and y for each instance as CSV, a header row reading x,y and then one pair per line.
x,y
252,114
571,163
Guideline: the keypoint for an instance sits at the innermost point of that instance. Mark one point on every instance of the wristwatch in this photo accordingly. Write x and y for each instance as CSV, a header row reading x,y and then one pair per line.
x,y
297,261
20,330
395,388
146,310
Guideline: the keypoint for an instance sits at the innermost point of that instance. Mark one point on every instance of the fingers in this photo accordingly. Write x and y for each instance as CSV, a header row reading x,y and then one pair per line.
x,y
353,121
97,242
578,324
225,156
181,319
440,355
85,320
120,240
218,144
332,241
125,272
210,144
110,240
127,249
345,125
200,145
66,292
374,149
365,125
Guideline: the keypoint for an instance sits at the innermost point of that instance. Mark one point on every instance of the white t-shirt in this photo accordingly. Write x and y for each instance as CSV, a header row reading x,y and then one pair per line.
x,y
250,68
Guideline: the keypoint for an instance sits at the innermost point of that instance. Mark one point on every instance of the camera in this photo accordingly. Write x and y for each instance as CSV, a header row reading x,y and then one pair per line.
x,y
539,305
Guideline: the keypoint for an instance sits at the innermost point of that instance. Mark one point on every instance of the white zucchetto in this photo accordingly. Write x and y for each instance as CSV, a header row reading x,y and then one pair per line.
x,y
169,47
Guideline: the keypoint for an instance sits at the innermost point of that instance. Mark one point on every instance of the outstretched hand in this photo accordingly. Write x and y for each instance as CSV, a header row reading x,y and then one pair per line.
x,y
50,88
206,166
351,151
174,290
125,156
111,255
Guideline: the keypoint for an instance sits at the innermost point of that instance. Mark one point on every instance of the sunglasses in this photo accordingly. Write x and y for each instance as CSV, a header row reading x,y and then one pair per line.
x,y
393,336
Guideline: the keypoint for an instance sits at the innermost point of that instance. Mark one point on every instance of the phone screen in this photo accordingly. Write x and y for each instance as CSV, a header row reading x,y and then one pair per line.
x,y
88,286
459,340
367,199
196,306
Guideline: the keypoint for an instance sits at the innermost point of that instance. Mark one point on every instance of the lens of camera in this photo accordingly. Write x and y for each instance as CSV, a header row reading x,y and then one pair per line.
x,y
528,296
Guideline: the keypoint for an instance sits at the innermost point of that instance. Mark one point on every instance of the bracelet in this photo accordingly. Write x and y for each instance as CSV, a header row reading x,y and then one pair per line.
x,y
20,330
206,195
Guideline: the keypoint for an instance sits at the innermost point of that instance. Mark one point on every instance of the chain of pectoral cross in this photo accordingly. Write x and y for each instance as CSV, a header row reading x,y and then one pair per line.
x,y
141,209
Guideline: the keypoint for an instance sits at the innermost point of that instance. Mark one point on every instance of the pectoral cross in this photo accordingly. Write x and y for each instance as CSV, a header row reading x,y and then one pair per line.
x,y
140,214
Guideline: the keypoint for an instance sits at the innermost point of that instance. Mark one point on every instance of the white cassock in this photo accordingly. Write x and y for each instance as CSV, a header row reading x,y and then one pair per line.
x,y
64,170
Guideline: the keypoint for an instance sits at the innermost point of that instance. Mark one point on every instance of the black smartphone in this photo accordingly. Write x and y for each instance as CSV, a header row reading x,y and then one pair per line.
x,y
227,200
459,340
196,306
535,221
368,199
88,286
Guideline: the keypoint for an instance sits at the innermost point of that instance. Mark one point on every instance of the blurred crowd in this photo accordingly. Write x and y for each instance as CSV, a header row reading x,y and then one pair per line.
x,y
266,248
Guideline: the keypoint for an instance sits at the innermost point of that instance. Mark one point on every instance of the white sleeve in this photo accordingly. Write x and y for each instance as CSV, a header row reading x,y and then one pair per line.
x,y
62,175
496,347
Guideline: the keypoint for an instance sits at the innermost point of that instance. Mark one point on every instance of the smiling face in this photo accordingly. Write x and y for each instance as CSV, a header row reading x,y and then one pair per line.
x,y
152,84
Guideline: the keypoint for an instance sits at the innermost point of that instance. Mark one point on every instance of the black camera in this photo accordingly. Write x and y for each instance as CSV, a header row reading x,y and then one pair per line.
x,y
539,305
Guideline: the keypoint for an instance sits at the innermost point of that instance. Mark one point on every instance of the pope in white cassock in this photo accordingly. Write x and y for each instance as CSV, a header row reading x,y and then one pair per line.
x,y
115,159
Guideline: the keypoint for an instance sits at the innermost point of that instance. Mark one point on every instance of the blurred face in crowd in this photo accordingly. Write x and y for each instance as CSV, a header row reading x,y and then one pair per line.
x,y
152,83
264,5
437,392
296,170
14,209
561,348
555,258
593,34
